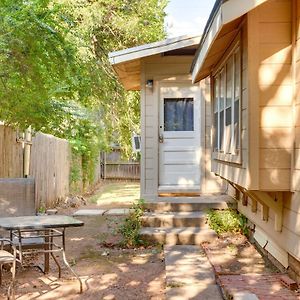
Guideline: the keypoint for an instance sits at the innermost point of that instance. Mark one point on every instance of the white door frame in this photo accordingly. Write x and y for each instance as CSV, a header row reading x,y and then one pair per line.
x,y
196,95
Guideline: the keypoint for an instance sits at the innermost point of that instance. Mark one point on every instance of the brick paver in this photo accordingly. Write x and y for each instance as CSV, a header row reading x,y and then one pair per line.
x,y
265,287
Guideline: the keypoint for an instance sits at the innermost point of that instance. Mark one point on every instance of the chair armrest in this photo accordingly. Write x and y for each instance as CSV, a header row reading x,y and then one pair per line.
x,y
7,241
12,245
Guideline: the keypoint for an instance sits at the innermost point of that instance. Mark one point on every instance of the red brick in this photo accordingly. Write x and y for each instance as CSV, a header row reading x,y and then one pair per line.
x,y
289,283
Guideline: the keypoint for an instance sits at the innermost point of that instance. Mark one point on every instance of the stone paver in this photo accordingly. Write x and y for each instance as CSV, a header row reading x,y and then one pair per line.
x,y
89,212
189,274
117,212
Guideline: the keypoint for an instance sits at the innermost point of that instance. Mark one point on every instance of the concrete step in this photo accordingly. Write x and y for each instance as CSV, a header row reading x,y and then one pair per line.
x,y
189,204
174,219
178,235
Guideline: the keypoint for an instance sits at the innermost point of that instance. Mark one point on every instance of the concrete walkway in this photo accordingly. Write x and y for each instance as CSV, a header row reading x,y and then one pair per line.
x,y
189,275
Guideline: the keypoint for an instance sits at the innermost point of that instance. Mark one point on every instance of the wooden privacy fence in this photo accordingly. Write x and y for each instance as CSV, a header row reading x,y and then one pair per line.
x,y
50,166
11,154
113,167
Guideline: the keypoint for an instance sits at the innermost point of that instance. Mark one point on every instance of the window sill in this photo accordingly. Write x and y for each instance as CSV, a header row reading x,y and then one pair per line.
x,y
229,158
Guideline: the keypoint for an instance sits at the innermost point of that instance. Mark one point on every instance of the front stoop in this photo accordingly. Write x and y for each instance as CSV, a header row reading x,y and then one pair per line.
x,y
180,220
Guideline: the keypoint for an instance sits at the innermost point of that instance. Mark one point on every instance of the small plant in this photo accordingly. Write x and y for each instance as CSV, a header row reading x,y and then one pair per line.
x,y
132,225
42,210
228,220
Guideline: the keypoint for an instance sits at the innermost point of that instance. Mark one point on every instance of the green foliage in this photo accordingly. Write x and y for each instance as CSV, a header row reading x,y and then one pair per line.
x,y
55,74
228,220
132,225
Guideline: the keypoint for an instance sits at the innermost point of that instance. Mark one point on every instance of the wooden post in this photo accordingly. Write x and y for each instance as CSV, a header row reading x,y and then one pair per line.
x,y
254,205
279,214
265,213
27,148
245,200
237,194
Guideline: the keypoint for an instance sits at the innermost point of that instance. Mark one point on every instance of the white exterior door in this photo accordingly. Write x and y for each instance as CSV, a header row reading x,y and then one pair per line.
x,y
179,138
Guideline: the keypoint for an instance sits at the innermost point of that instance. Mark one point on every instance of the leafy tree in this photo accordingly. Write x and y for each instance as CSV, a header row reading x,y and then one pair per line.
x,y
54,68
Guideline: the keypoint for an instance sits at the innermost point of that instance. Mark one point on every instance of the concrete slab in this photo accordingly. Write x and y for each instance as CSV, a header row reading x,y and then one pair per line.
x,y
89,212
244,296
194,292
117,212
189,275
187,265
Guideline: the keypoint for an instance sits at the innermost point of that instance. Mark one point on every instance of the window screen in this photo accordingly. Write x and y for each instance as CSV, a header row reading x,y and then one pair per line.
x,y
178,114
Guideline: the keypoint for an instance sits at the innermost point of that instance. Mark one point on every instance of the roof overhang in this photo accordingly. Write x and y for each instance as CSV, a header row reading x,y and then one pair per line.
x,y
221,29
127,63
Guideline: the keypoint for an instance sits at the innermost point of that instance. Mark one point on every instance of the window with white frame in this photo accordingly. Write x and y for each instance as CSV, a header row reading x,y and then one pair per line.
x,y
226,105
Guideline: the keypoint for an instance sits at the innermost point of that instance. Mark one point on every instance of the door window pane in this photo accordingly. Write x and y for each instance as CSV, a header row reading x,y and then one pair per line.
x,y
178,114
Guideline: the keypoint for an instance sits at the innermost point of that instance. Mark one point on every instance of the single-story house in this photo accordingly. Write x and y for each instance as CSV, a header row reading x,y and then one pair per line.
x,y
175,120
246,70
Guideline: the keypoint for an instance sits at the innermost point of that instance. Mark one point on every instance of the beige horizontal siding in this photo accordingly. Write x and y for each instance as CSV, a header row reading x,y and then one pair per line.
x,y
276,53
278,138
275,32
276,11
297,89
231,172
170,69
274,74
288,239
278,158
274,179
276,117
276,95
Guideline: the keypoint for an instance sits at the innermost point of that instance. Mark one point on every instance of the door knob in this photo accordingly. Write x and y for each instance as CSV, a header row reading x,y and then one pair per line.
x,y
161,138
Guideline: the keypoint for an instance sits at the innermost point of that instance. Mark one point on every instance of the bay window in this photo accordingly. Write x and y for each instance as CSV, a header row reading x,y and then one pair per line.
x,y
227,106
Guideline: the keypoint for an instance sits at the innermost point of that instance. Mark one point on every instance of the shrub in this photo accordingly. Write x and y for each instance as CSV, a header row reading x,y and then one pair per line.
x,y
131,227
228,220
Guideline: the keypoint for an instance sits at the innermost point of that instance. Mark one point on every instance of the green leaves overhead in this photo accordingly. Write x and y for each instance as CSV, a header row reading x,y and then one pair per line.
x,y
54,68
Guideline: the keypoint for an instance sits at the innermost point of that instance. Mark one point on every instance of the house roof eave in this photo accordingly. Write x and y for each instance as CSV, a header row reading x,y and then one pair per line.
x,y
126,63
224,13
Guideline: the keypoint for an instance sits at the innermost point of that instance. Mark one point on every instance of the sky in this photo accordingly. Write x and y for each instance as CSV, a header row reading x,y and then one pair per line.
x,y
187,16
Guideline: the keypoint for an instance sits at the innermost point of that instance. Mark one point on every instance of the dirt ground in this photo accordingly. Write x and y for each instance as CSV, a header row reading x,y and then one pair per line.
x,y
113,273
234,254
107,273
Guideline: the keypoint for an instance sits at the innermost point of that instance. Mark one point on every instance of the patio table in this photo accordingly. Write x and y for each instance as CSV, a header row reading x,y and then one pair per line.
x,y
45,227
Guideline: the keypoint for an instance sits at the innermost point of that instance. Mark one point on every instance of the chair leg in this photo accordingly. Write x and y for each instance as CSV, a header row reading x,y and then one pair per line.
x,y
58,265
11,289
1,275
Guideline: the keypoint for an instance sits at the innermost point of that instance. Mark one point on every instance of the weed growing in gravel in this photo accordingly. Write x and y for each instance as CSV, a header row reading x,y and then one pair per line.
x,y
228,220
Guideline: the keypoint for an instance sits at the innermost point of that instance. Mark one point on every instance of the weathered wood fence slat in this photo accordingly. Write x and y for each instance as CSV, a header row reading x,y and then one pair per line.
x,y
113,167
11,154
50,166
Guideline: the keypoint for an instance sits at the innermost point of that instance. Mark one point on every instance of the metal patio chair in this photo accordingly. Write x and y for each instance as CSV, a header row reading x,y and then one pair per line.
x,y
6,258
